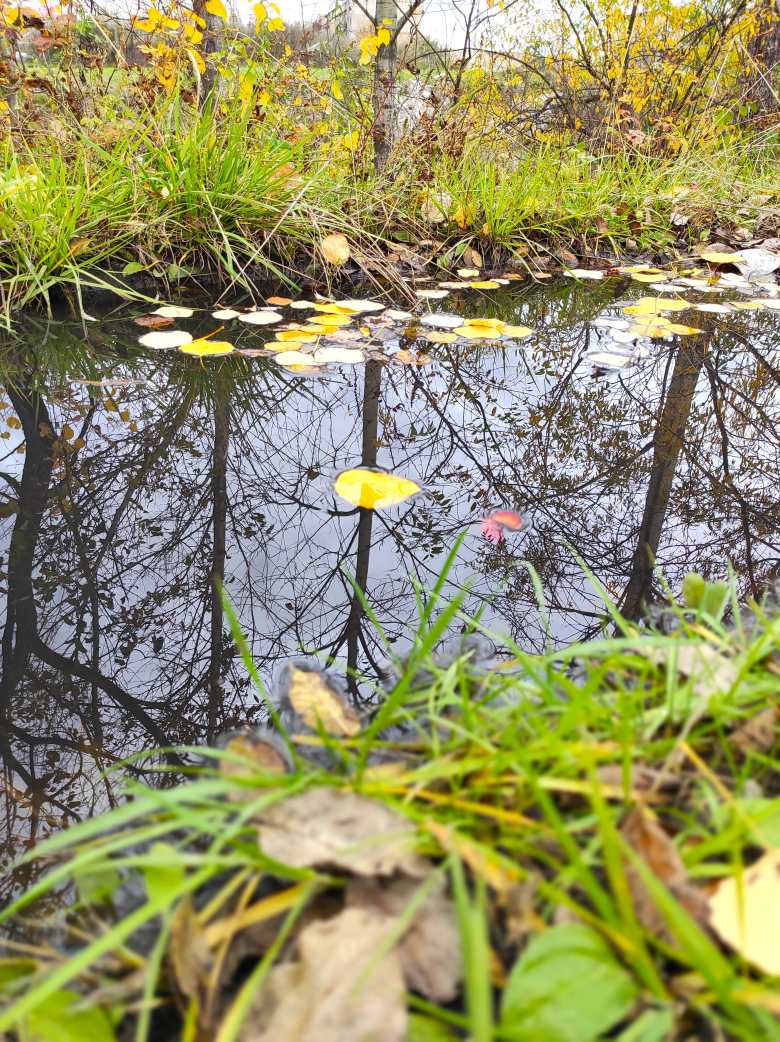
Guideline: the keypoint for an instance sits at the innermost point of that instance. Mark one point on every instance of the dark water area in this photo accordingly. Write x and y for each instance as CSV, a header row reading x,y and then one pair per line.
x,y
130,478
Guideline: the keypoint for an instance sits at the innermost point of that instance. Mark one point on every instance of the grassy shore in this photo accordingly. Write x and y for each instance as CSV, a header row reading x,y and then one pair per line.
x,y
574,810
188,193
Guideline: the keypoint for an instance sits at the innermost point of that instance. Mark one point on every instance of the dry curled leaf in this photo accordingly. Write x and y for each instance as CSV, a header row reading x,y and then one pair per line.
x,y
430,949
327,827
316,700
642,831
335,249
337,990
757,735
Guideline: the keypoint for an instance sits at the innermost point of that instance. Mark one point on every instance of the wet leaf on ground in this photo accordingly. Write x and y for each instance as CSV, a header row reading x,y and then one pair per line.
x,y
334,828
373,489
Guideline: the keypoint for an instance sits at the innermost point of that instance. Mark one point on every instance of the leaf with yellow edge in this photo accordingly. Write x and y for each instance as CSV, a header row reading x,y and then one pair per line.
x,y
334,309
484,323
217,8
373,489
331,321
298,335
487,284
437,336
206,348
315,700
335,249
655,306
745,912
516,332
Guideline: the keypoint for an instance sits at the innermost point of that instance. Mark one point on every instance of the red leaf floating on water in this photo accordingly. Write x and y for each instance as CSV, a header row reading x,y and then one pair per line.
x,y
494,524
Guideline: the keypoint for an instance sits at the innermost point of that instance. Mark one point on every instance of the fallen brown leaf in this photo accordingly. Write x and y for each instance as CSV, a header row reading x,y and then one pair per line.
x,y
642,831
430,951
758,734
189,954
153,321
337,990
327,827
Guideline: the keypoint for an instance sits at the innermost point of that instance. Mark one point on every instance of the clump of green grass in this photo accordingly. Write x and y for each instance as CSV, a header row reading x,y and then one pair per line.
x,y
517,776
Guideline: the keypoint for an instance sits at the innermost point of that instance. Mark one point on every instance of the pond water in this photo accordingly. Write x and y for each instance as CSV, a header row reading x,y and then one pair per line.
x,y
131,477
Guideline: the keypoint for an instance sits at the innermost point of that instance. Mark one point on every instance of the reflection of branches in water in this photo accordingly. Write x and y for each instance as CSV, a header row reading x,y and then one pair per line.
x,y
123,579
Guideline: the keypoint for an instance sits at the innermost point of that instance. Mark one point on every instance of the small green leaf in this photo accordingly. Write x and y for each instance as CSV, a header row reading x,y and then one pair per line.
x,y
654,1025
425,1029
566,987
97,887
165,878
132,268
56,1020
13,969
693,587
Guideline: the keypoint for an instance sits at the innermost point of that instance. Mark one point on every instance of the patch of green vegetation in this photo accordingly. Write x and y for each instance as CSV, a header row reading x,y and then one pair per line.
x,y
579,803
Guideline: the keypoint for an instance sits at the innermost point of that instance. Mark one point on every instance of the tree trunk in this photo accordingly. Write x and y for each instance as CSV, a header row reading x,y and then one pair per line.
x,y
765,50
384,94
212,39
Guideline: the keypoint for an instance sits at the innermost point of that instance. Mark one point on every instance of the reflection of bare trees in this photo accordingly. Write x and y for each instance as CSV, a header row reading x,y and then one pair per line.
x,y
113,639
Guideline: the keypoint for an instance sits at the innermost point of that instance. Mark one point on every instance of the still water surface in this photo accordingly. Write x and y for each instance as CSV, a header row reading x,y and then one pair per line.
x,y
121,501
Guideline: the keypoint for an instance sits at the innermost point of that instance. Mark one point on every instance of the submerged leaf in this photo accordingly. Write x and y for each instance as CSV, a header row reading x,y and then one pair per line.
x,y
373,489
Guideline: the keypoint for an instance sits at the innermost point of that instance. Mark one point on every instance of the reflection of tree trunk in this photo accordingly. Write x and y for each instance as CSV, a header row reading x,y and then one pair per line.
x,y
20,636
667,443
218,517
372,381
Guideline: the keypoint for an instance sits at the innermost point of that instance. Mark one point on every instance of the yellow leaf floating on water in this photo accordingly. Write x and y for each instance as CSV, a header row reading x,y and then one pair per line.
x,y
516,332
206,348
335,249
644,276
655,306
468,273
436,336
294,358
373,489
657,326
297,335
745,912
313,699
331,321
334,309
487,284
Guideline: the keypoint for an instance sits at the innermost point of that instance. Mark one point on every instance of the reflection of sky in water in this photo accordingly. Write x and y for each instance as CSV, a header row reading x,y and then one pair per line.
x,y
595,461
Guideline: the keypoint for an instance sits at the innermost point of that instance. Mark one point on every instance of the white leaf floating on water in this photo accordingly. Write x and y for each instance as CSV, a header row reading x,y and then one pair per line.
x,y
757,262
363,306
625,336
715,309
163,339
399,316
294,358
174,311
343,355
225,314
260,318
773,303
583,273
302,305
609,359
611,323
431,294
454,285
442,321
